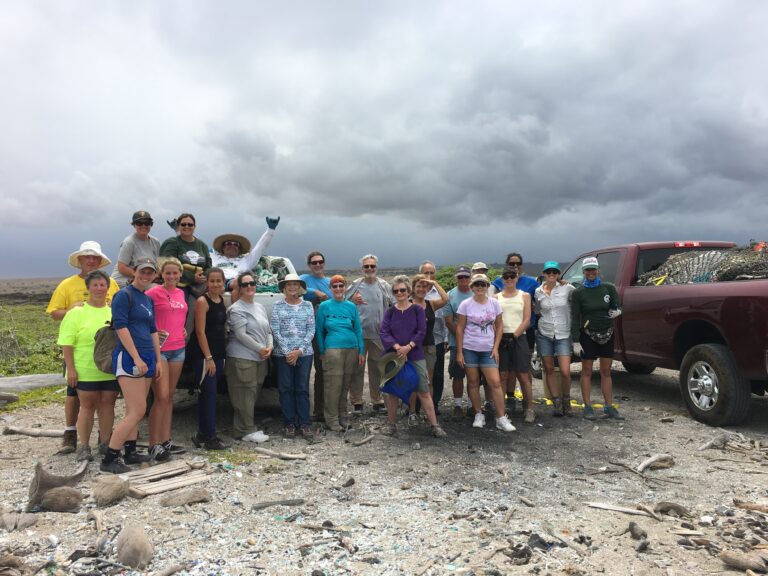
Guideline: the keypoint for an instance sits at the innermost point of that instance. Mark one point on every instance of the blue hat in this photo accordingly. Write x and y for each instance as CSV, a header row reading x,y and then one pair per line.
x,y
551,265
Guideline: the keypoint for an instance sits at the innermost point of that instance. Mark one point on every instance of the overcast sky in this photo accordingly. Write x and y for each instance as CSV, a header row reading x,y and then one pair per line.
x,y
455,131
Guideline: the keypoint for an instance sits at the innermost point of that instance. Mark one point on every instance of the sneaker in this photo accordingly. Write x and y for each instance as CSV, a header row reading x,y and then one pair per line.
x,y
68,442
567,408
306,432
215,444
413,420
589,412
504,424
389,429
438,432
174,448
258,437
114,467
458,412
197,440
529,416
379,409
557,405
611,412
289,431
479,421
136,458
158,453
358,410
84,453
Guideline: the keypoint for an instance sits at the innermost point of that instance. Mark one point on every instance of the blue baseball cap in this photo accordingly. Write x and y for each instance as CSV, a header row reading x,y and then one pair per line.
x,y
551,265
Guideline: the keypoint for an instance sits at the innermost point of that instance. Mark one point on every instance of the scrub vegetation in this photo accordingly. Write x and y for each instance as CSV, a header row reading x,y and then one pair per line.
x,y
28,341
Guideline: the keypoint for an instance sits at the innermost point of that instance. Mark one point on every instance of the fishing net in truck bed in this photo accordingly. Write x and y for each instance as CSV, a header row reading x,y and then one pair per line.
x,y
268,273
708,266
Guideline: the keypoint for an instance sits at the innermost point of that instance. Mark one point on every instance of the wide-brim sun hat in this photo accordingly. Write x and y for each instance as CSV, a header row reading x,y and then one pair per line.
x,y
389,365
218,243
551,265
590,262
291,278
88,248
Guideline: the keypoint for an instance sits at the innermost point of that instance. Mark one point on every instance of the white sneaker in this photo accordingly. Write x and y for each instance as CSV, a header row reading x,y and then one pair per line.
x,y
503,423
479,420
257,437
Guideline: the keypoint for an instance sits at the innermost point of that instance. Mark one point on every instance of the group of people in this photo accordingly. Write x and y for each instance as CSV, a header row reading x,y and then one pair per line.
x,y
168,303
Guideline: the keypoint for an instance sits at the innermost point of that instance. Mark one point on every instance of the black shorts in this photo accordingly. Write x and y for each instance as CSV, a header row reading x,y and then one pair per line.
x,y
454,370
530,336
100,386
514,354
591,350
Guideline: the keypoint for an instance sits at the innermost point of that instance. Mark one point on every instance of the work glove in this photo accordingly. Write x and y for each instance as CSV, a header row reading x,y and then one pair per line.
x,y
614,313
272,222
577,350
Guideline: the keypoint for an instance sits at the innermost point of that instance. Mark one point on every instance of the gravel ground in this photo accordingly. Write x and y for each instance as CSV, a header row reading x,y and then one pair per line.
x,y
478,502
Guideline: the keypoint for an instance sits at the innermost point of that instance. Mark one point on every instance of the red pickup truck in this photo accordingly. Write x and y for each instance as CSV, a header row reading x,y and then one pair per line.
x,y
715,334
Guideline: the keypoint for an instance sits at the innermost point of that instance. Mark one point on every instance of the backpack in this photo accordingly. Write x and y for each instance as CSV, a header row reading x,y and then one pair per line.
x,y
105,343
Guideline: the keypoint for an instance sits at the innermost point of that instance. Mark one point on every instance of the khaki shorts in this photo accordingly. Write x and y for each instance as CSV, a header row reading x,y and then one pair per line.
x,y
430,355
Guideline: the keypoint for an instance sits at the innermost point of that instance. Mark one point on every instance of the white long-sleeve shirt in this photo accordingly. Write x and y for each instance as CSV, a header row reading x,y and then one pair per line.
x,y
232,267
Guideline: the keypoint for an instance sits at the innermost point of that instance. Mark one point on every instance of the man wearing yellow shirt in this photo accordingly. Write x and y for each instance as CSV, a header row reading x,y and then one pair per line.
x,y
70,293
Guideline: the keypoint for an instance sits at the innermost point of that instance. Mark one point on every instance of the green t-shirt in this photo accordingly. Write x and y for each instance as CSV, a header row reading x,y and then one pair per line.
x,y
590,306
192,255
78,329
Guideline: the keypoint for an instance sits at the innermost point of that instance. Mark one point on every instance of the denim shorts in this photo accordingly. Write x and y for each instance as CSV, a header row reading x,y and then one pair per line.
x,y
473,359
547,346
173,355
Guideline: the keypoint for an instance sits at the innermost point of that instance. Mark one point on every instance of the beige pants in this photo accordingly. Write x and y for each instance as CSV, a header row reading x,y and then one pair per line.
x,y
372,349
339,367
244,380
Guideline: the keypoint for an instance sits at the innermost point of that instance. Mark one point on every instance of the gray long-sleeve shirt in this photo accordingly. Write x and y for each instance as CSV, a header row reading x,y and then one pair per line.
x,y
249,330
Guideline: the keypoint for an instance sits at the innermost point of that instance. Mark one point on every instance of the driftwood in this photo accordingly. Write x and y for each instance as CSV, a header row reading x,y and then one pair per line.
x,y
622,509
43,481
742,561
364,440
133,547
629,468
280,455
750,506
62,499
269,503
8,398
34,432
656,461
173,569
191,496
98,519
551,531
318,528
667,507
527,502
718,442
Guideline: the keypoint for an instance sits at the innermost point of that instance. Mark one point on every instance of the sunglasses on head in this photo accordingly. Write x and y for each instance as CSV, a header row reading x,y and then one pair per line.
x,y
143,223
369,266
338,285
399,290
244,284
187,224
317,262
509,276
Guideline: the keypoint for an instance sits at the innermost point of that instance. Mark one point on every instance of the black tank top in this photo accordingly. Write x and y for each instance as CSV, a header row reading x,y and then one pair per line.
x,y
429,339
215,329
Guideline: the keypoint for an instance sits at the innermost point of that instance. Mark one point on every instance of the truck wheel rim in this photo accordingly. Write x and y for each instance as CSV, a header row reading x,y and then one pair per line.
x,y
703,386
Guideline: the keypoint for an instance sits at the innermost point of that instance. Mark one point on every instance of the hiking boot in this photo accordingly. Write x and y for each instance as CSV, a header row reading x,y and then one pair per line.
x,y
136,458
479,421
173,448
504,424
289,431
458,412
413,420
379,409
84,453
114,467
567,408
529,416
611,412
438,432
557,407
158,453
306,432
357,410
510,404
197,440
589,412
215,444
389,429
68,442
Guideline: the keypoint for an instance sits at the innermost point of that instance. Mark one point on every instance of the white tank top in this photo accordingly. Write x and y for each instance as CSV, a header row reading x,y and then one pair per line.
x,y
511,310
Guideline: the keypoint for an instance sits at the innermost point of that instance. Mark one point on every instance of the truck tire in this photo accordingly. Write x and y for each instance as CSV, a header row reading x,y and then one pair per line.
x,y
637,368
712,389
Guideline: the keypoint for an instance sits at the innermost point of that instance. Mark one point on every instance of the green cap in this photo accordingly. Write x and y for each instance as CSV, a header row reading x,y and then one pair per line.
x,y
551,265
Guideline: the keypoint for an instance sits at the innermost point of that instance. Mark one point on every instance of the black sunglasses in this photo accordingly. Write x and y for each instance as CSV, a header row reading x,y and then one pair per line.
x,y
369,266
514,263
232,243
244,284
337,285
143,223
509,276
187,224
479,285
551,271
317,262
399,290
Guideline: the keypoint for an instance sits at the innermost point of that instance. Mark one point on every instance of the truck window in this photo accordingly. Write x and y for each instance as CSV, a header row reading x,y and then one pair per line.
x,y
609,265
573,274
649,260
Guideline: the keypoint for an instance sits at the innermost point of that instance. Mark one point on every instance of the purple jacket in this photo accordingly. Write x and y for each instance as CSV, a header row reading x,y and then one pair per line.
x,y
403,327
